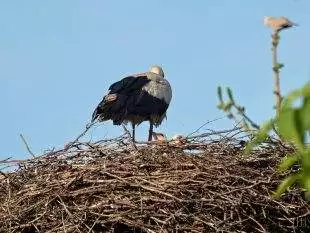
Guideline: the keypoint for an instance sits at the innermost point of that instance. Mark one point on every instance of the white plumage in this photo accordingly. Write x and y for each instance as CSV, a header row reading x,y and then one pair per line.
x,y
158,87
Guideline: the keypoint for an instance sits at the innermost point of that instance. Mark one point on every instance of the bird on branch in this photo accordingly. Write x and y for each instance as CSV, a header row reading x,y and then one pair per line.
x,y
278,24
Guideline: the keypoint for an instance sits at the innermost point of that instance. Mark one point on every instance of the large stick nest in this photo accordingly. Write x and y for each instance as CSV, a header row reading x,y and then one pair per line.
x,y
201,185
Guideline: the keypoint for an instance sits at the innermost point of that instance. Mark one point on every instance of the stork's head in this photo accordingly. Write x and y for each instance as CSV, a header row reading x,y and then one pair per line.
x,y
157,70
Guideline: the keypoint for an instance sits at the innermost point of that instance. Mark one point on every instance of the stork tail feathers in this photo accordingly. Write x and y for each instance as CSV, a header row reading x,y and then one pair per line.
x,y
110,108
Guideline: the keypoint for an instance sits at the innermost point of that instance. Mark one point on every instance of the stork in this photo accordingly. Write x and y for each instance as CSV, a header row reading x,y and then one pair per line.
x,y
135,99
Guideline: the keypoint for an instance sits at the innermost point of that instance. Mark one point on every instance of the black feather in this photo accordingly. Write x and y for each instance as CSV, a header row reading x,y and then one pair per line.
x,y
146,105
128,90
128,85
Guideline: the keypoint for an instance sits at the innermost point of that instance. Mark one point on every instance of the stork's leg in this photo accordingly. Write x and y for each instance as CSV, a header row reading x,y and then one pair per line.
x,y
151,131
133,132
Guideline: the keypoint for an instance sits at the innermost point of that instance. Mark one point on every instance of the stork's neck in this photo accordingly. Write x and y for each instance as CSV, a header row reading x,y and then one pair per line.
x,y
154,76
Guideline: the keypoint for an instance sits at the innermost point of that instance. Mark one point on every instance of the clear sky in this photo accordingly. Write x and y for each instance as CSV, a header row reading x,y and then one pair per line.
x,y
57,58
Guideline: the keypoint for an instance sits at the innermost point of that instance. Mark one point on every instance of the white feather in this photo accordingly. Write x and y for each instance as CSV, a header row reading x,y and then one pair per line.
x,y
158,87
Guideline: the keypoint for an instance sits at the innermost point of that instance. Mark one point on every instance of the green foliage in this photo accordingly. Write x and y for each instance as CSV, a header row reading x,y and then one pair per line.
x,y
234,110
293,125
294,122
230,95
288,161
286,183
260,136
220,94
225,106
278,67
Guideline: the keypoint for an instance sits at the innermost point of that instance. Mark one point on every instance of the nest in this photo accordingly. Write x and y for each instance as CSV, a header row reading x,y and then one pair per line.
x,y
197,185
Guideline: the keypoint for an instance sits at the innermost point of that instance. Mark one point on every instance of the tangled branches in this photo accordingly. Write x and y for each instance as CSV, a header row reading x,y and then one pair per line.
x,y
202,185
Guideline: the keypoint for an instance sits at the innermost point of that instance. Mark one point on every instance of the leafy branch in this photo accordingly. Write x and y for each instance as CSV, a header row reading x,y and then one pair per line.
x,y
235,111
293,124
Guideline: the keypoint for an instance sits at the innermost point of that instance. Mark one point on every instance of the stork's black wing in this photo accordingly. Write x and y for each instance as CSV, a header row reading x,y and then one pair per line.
x,y
127,90
129,85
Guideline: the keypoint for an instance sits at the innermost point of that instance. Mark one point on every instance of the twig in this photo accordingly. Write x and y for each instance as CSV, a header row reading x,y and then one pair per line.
x,y
144,187
276,71
27,146
211,225
88,126
159,189
130,137
214,133
64,206
230,105
91,228
248,119
200,127
245,118
260,225
4,174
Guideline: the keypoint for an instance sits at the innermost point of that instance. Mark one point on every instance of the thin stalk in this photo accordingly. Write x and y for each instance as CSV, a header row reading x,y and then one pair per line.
x,y
276,71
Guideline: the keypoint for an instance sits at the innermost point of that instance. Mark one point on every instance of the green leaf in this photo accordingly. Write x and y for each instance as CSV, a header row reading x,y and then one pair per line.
x,y
288,161
230,95
285,184
306,90
260,136
306,183
304,114
220,94
280,66
287,102
306,162
289,127
227,106
220,106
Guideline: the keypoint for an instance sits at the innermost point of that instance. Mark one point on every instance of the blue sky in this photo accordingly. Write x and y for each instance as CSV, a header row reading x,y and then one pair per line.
x,y
58,58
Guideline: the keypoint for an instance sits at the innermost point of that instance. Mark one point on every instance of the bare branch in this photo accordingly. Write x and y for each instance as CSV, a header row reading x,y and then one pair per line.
x,y
27,146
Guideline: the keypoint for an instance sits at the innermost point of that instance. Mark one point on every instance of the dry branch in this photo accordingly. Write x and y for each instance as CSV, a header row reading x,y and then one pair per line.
x,y
109,186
